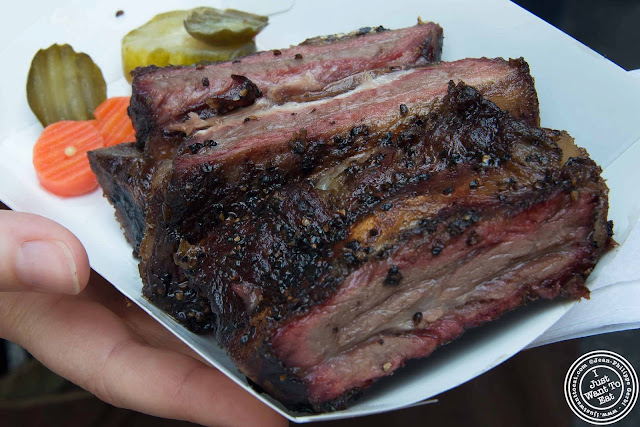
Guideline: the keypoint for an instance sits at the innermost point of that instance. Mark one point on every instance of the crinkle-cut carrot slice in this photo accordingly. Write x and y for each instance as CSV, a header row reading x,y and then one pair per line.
x,y
60,157
113,121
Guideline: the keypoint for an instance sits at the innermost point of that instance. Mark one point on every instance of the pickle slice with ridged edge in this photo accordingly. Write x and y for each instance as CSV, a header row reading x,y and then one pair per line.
x,y
224,27
64,85
164,41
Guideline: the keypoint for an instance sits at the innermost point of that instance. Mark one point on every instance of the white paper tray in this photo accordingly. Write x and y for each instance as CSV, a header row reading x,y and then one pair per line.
x,y
592,98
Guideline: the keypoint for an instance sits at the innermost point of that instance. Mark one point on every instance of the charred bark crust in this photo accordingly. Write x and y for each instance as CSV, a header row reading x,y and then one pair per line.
x,y
265,246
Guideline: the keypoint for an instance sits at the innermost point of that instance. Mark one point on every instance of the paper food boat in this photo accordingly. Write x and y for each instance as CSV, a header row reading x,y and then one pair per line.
x,y
579,91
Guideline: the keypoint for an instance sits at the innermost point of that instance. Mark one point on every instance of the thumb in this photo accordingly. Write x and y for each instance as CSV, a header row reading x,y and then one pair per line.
x,y
37,254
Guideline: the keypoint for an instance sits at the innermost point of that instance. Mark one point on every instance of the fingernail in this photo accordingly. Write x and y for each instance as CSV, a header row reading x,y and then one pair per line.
x,y
48,266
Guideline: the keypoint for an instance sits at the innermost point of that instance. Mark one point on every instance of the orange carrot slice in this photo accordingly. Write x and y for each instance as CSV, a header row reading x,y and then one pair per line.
x,y
113,121
60,157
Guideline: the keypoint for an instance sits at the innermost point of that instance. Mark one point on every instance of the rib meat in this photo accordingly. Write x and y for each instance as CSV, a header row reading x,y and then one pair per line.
x,y
167,96
124,174
171,101
324,254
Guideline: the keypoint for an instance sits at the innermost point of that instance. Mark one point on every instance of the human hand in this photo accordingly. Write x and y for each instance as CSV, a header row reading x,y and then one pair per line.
x,y
94,337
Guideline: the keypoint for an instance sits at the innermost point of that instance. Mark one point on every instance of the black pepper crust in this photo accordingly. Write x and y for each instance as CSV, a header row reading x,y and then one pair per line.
x,y
125,179
258,240
332,38
158,123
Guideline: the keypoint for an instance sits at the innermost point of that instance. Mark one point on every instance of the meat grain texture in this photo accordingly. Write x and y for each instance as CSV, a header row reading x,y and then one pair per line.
x,y
327,240
169,102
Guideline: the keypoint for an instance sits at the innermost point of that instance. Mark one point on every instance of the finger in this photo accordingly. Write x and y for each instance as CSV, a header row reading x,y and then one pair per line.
x,y
86,343
39,254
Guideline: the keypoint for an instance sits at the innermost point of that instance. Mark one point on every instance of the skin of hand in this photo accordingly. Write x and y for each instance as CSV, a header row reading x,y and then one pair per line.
x,y
86,331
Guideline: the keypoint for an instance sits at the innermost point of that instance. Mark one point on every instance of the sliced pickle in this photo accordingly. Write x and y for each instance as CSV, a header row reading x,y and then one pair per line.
x,y
224,27
164,41
64,85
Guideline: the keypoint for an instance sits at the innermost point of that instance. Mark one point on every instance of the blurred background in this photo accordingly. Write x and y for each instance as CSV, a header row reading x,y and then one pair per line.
x,y
524,391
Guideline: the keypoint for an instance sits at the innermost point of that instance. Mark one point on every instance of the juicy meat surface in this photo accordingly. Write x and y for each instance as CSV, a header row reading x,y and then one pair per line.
x,y
374,103
324,258
166,96
380,95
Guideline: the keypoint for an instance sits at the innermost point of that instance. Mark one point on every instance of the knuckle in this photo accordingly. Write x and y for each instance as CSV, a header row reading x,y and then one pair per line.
x,y
99,386
103,382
